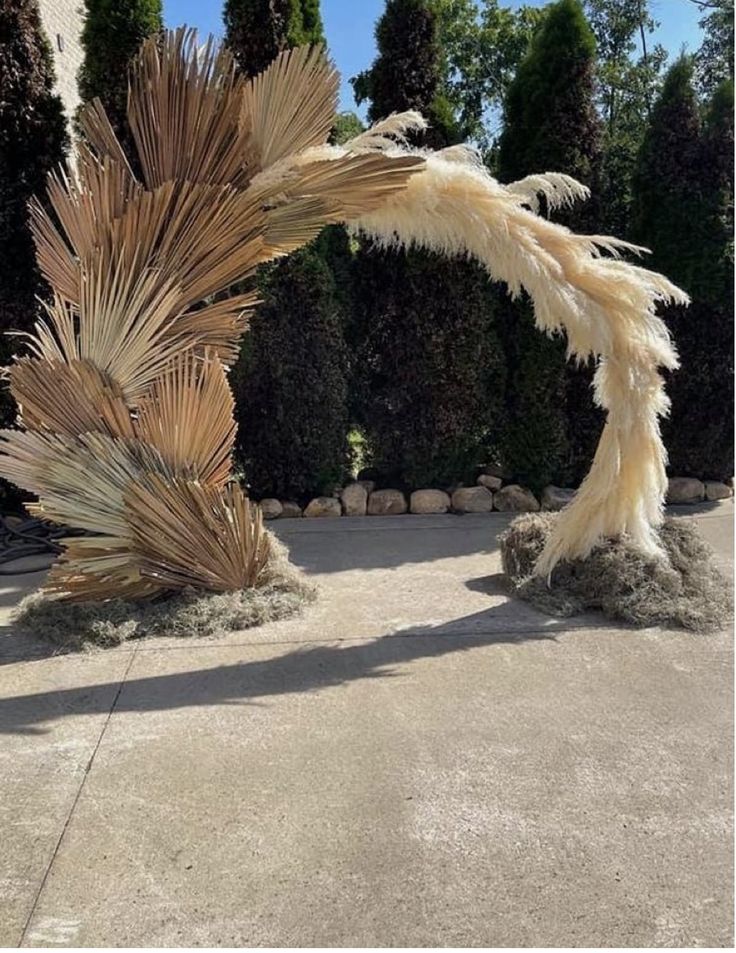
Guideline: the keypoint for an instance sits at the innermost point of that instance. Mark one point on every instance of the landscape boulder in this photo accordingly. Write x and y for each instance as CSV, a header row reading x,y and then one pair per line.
x,y
323,506
354,499
429,501
271,508
515,499
717,491
489,481
386,503
555,497
685,490
472,499
290,510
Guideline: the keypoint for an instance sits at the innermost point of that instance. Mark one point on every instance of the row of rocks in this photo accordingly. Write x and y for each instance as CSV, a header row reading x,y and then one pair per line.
x,y
362,499
690,490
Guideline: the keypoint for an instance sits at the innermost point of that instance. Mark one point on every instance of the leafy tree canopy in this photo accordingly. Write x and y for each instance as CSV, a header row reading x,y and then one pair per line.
x,y
714,59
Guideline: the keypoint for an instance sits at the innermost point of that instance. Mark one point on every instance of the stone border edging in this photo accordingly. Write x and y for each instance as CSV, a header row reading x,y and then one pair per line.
x,y
490,494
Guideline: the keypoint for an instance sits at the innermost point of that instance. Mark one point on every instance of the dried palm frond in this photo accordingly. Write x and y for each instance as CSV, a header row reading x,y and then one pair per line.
x,y
185,112
55,259
189,534
291,105
218,327
69,399
98,132
188,417
80,480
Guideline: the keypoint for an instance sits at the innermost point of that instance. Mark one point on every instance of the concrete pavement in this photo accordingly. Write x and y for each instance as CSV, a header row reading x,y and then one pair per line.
x,y
415,761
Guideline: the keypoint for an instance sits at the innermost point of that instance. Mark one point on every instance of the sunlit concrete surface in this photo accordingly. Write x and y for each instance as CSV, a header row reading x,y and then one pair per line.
x,y
415,761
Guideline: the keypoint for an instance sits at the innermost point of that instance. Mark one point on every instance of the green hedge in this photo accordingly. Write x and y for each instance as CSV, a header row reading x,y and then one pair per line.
x,y
429,369
291,383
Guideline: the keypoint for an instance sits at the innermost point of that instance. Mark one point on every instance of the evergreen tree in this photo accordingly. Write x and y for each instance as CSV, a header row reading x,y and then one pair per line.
x,y
291,380
292,387
667,181
258,30
550,124
426,354
407,72
33,141
111,36
683,192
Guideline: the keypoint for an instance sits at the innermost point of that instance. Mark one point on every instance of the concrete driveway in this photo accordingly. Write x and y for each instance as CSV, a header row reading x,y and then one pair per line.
x,y
416,761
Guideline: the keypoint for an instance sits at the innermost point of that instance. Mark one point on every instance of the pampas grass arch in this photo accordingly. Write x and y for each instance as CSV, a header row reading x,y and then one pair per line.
x,y
125,401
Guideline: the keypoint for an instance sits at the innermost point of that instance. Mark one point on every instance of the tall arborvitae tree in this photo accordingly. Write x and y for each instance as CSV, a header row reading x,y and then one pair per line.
x,y
292,385
291,381
550,124
257,30
683,205
429,363
407,72
111,36
33,140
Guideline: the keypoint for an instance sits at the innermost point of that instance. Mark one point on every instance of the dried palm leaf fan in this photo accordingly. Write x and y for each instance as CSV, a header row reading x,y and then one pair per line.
x,y
125,402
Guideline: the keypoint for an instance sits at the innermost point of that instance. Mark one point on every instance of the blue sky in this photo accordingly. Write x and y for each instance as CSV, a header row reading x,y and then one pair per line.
x,y
349,28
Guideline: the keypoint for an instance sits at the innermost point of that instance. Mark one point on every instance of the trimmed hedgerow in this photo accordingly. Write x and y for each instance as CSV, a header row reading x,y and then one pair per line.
x,y
550,124
291,384
683,203
429,366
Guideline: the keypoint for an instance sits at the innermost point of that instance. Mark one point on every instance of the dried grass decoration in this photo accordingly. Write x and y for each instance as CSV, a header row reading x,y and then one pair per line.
x,y
125,403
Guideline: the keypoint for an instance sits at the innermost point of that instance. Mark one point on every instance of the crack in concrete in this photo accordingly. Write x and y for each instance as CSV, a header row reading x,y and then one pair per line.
x,y
77,796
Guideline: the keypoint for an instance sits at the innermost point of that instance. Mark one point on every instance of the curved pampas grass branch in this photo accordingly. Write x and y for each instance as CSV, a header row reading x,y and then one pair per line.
x,y
606,308
125,398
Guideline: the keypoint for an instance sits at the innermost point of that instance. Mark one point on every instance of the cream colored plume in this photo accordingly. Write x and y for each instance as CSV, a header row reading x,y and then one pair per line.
x,y
606,308
124,398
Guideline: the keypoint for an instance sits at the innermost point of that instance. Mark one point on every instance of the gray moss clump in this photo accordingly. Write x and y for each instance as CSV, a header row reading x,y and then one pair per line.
x,y
190,613
686,591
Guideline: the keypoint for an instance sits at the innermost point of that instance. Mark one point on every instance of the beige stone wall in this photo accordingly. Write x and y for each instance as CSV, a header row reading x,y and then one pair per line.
x,y
62,21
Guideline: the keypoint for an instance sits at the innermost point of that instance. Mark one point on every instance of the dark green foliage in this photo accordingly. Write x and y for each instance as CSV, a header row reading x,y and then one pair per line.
x,y
111,36
629,65
291,380
430,366
429,373
550,124
33,140
258,30
533,442
292,387
684,213
347,126
667,181
406,74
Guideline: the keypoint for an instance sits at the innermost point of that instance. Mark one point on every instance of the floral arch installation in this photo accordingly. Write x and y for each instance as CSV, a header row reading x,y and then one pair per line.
x,y
124,397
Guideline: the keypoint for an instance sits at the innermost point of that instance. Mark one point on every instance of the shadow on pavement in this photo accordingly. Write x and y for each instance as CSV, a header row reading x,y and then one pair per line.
x,y
305,669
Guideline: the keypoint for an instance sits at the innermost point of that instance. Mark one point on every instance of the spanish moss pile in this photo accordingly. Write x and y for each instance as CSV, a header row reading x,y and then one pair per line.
x,y
687,591
190,613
